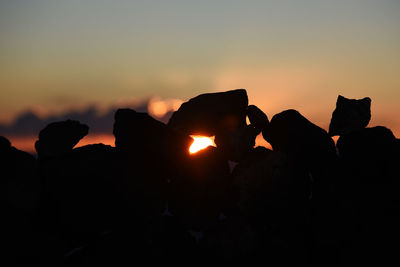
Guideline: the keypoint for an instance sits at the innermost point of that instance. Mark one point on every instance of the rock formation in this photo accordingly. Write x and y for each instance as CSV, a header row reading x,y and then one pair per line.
x,y
257,118
293,134
148,199
350,115
208,114
59,138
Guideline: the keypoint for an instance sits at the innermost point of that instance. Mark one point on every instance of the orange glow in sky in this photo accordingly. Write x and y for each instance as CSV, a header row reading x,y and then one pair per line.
x,y
200,142
159,107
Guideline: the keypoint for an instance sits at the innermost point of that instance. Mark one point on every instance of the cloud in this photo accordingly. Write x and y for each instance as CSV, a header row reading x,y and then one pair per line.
x,y
28,123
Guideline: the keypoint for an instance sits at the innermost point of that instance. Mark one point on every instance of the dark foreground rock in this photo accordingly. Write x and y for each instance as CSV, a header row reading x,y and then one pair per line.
x,y
222,115
138,133
306,202
258,119
369,160
4,143
350,115
21,192
371,152
208,114
272,199
293,134
59,138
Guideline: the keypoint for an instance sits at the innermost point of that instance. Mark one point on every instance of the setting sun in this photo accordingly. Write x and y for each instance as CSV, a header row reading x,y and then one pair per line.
x,y
200,142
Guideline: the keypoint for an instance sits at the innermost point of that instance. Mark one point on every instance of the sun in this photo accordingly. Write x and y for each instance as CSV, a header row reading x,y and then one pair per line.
x,y
200,142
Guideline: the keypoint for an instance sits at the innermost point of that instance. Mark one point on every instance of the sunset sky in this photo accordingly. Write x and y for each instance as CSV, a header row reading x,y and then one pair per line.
x,y
63,55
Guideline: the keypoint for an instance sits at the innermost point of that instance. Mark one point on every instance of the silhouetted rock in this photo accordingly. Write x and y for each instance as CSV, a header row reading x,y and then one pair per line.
x,y
19,177
151,156
142,136
257,179
201,188
80,201
157,157
350,115
20,198
257,118
312,154
376,140
158,176
236,144
370,170
273,202
369,151
4,143
398,146
80,187
208,114
59,138
148,199
222,115
293,134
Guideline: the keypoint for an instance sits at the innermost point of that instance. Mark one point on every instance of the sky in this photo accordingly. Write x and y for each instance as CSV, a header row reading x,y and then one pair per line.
x,y
57,56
